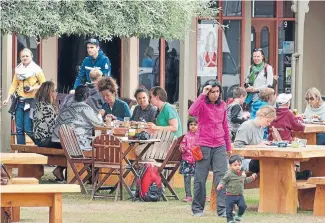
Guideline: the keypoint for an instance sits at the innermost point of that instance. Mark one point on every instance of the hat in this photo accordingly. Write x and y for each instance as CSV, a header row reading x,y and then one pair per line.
x,y
92,41
283,98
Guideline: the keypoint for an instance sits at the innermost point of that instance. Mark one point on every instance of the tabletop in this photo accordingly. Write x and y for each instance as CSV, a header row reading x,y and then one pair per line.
x,y
23,158
310,151
314,128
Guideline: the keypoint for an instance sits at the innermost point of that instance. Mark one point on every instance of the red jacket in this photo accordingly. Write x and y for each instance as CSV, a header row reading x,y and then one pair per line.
x,y
213,130
285,123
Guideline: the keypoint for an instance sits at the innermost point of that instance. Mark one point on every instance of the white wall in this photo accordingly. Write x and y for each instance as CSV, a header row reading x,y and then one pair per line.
x,y
50,58
314,47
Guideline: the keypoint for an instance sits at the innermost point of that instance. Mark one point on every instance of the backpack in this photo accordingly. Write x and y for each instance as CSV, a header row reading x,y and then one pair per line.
x,y
149,186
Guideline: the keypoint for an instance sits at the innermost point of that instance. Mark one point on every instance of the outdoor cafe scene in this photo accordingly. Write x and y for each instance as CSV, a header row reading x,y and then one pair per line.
x,y
91,155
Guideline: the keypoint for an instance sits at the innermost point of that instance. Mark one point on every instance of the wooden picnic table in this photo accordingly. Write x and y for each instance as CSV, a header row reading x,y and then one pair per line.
x,y
310,133
37,195
23,158
278,185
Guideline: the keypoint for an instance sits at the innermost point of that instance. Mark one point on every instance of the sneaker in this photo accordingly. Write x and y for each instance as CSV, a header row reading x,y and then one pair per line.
x,y
200,214
303,175
238,218
187,199
223,215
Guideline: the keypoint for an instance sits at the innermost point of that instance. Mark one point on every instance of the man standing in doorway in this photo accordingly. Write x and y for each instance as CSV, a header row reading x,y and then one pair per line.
x,y
96,59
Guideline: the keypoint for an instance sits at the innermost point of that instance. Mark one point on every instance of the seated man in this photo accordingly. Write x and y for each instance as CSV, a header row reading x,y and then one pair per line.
x,y
144,111
81,117
114,108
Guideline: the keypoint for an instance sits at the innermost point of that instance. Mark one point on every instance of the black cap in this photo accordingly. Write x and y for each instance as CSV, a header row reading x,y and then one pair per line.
x,y
92,41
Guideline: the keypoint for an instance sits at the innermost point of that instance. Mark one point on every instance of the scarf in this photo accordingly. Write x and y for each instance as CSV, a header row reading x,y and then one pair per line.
x,y
255,70
30,70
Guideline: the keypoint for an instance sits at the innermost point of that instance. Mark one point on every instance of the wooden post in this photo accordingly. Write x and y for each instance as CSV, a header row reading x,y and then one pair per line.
x,y
56,209
319,203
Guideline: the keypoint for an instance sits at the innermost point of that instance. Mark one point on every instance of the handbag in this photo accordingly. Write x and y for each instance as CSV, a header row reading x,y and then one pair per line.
x,y
14,104
197,153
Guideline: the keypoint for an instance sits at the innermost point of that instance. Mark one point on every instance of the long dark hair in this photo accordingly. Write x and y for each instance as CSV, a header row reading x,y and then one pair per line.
x,y
214,83
44,92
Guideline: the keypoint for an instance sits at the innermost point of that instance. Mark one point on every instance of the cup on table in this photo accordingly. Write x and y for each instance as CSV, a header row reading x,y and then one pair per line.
x,y
132,133
127,122
302,142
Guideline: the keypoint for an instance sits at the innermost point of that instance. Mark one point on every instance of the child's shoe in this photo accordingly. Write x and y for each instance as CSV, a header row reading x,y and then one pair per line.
x,y
238,218
187,199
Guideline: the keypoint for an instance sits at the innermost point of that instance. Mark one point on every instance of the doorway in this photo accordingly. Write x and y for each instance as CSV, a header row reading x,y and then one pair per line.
x,y
72,51
264,36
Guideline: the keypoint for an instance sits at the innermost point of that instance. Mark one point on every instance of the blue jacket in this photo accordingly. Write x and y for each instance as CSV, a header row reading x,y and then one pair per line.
x,y
120,109
255,106
101,62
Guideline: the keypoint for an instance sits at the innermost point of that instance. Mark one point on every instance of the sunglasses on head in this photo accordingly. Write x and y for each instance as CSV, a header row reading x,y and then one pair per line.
x,y
310,99
213,83
258,49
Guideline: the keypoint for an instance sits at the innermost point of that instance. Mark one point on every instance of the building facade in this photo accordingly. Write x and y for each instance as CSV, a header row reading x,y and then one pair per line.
x,y
289,32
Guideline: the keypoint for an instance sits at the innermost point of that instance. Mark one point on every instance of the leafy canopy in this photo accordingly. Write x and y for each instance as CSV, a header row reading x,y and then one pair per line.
x,y
170,19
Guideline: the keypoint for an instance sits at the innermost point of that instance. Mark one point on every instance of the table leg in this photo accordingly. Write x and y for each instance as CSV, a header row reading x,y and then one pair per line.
x,y
56,209
32,170
213,198
319,204
278,192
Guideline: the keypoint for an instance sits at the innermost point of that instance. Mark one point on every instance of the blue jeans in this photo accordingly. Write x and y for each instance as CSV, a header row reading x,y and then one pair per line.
x,y
320,139
23,124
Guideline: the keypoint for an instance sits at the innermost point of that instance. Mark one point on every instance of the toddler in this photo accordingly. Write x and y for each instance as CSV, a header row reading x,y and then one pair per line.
x,y
187,163
234,181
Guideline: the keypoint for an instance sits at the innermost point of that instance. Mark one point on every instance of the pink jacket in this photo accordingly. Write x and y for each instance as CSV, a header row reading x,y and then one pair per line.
x,y
213,130
187,145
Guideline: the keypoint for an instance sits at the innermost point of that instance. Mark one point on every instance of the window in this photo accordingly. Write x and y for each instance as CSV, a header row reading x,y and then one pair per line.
x,y
285,50
231,8
231,53
31,43
285,9
264,9
149,62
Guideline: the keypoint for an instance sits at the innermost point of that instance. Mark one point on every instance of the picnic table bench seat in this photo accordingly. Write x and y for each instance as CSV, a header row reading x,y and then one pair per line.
x,y
37,195
55,157
319,202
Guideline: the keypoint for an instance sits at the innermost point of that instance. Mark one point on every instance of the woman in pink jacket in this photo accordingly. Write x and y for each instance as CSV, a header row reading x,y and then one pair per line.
x,y
214,140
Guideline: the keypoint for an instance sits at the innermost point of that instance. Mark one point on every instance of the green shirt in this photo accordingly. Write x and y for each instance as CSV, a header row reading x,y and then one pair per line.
x,y
167,113
234,182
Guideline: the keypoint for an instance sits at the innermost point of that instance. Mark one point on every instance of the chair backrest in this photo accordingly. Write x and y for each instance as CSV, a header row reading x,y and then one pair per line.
x,y
69,142
160,150
174,154
107,149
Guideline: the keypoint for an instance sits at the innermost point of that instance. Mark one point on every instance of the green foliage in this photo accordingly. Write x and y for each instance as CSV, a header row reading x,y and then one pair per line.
x,y
170,19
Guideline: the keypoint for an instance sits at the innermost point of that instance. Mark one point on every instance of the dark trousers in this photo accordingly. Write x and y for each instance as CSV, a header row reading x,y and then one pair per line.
x,y
187,184
217,159
254,166
231,201
24,124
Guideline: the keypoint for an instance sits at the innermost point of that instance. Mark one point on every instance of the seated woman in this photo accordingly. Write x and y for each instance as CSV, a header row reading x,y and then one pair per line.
x,y
81,117
315,109
44,120
167,117
114,107
144,111
251,133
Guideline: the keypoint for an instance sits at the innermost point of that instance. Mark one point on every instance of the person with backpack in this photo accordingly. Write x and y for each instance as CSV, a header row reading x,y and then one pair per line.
x,y
214,141
260,76
188,161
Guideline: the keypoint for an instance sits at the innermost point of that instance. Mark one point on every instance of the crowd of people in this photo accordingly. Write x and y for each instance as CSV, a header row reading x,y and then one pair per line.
x,y
213,125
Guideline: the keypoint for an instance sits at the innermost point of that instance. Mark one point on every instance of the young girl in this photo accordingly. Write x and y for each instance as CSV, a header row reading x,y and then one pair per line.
x,y
188,162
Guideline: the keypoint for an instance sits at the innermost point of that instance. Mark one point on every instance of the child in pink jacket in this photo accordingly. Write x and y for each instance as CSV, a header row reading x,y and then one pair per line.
x,y
188,162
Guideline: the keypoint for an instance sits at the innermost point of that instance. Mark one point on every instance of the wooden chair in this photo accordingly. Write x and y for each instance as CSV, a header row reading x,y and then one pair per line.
x,y
107,161
74,155
170,165
160,150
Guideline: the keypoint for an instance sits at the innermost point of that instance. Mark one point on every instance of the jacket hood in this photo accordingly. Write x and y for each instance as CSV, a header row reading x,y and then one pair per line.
x,y
258,104
100,55
281,112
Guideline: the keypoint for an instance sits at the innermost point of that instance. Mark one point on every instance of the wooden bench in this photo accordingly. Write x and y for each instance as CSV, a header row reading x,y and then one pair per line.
x,y
55,157
40,195
319,203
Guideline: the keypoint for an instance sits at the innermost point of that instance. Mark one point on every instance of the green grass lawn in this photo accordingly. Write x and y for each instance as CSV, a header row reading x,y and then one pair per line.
x,y
79,208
